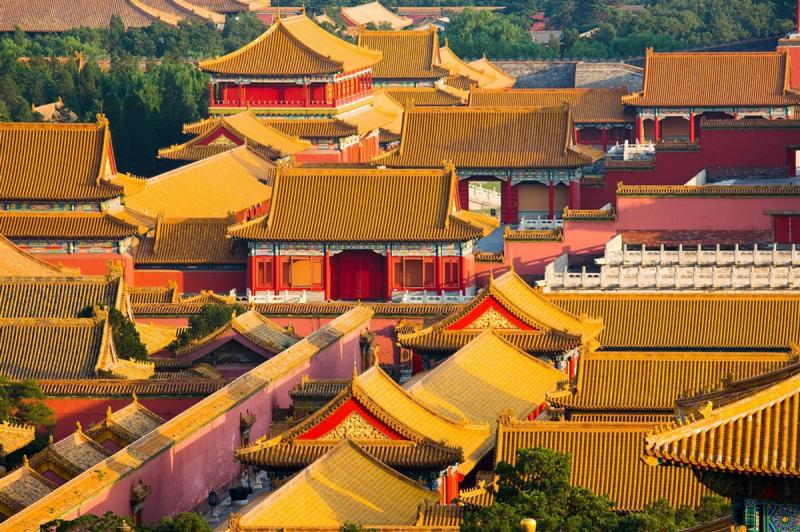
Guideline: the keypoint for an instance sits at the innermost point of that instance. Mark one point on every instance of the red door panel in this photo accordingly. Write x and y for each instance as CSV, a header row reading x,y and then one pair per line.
x,y
783,229
360,275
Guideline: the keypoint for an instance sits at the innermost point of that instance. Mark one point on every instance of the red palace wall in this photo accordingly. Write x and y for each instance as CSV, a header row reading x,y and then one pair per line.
x,y
89,410
191,282
739,148
362,152
89,263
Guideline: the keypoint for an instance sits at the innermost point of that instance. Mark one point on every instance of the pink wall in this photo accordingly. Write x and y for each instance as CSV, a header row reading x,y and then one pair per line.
x,y
197,454
719,148
194,281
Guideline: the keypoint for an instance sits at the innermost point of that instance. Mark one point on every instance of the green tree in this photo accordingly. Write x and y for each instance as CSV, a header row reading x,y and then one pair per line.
x,y
210,318
241,29
126,338
538,486
22,402
183,522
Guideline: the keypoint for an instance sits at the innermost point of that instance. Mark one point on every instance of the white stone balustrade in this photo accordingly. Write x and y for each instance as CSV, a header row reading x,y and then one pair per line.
x,y
539,224
774,255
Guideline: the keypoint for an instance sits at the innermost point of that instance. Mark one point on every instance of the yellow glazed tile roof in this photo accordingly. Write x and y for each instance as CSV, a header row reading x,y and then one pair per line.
x,y
22,487
474,382
212,188
70,456
314,128
245,126
58,225
710,79
129,423
554,328
362,204
502,78
484,78
344,485
421,96
191,241
179,428
763,321
635,381
415,450
388,115
757,434
488,137
55,297
604,458
156,337
407,55
294,46
474,438
589,105
52,162
15,436
375,13
15,262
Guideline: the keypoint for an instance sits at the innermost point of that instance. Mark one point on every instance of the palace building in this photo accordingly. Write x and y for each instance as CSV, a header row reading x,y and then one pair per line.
x,y
669,106
58,208
374,234
410,58
529,150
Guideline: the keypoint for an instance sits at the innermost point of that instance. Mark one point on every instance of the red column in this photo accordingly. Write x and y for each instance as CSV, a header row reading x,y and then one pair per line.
x,y
306,97
639,129
574,195
437,273
239,85
275,267
571,368
657,129
604,138
389,280
552,204
691,127
328,276
463,194
211,94
576,137
505,202
251,273
462,280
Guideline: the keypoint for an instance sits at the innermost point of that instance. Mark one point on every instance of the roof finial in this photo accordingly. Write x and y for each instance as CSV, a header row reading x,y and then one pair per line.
x,y
303,9
134,398
108,413
25,462
50,441
78,427
511,266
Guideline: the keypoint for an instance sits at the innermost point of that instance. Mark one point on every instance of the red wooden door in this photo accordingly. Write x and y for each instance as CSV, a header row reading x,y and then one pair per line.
x,y
360,275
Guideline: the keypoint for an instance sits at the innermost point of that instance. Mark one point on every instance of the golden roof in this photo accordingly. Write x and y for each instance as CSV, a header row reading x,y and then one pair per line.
x,y
387,114
56,162
15,262
711,79
190,241
15,436
245,126
552,327
293,46
414,450
314,128
502,78
407,55
422,96
646,191
60,225
474,382
488,137
70,456
362,204
55,297
21,488
375,13
645,381
756,434
129,423
589,105
483,77
212,188
763,321
187,423
474,438
261,331
344,485
140,295
156,337
604,458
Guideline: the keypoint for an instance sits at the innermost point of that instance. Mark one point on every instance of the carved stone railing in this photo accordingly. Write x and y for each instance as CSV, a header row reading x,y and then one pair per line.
x,y
539,224
643,164
707,190
753,255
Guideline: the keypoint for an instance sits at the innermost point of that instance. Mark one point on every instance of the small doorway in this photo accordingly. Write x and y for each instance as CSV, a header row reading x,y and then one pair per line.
x,y
359,275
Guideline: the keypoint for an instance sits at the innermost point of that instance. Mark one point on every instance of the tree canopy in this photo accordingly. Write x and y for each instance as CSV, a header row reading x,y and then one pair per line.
x,y
210,318
538,487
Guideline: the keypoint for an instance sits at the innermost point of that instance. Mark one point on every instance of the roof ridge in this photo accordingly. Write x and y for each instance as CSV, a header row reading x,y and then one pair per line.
x,y
52,322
